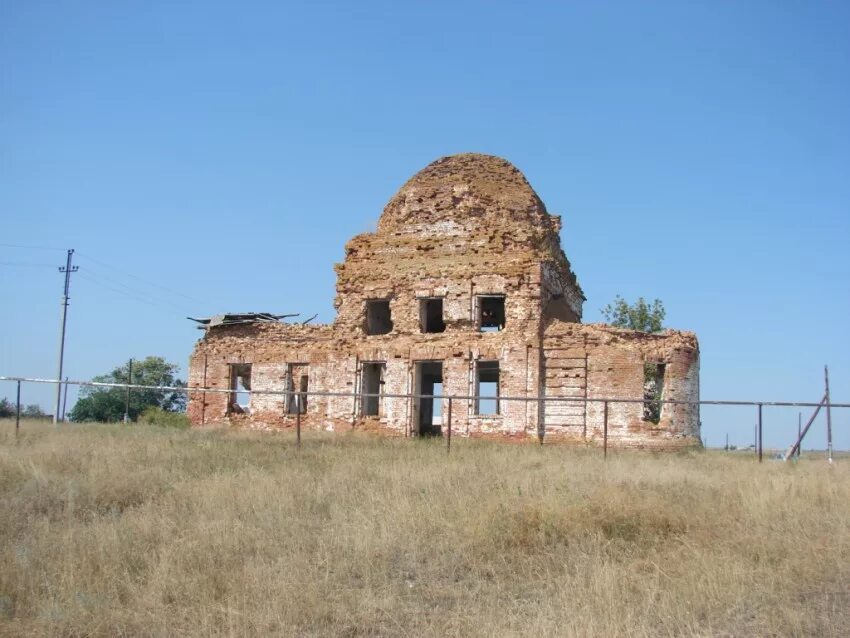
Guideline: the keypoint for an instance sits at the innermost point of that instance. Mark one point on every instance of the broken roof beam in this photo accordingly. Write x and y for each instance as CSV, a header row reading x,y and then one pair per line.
x,y
231,319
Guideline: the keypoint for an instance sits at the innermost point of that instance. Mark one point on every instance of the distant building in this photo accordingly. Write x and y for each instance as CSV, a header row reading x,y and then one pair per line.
x,y
462,290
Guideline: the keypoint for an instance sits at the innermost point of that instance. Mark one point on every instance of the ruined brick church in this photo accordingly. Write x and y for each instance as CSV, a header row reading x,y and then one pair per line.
x,y
462,290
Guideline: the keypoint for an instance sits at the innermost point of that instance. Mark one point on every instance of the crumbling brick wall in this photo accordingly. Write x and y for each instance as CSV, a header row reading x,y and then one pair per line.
x,y
466,228
602,362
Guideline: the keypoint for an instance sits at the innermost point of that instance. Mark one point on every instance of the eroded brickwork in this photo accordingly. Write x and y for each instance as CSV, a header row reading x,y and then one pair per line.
x,y
469,234
598,361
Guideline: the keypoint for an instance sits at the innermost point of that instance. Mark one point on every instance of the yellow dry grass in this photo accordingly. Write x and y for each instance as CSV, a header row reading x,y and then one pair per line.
x,y
114,530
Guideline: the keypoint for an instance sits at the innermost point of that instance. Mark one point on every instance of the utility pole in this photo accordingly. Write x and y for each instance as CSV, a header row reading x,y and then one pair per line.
x,y
68,269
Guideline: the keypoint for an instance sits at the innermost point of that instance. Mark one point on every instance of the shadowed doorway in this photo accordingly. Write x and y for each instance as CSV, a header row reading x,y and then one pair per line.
x,y
428,413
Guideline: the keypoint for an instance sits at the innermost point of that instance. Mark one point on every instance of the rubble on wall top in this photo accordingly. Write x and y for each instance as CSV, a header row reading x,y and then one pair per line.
x,y
234,319
681,338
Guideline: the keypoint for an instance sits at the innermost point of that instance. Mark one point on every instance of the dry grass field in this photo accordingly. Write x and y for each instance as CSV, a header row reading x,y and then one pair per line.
x,y
146,531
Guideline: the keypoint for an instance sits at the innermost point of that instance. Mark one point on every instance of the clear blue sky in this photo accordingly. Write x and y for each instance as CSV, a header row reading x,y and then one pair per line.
x,y
699,152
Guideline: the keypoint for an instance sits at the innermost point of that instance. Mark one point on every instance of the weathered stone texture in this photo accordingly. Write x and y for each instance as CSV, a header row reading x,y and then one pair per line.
x,y
465,229
598,361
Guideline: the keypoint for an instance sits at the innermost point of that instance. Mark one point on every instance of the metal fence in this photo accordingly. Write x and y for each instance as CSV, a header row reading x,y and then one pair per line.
x,y
449,400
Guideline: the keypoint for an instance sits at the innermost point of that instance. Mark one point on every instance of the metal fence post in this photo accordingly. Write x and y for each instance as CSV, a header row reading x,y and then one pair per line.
x,y
760,448
449,428
541,420
298,424
828,417
799,432
204,395
18,411
127,397
605,431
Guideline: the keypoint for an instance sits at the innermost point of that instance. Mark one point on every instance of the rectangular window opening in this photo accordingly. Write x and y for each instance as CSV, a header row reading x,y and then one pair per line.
x,y
491,313
371,388
378,317
653,391
239,399
431,315
487,388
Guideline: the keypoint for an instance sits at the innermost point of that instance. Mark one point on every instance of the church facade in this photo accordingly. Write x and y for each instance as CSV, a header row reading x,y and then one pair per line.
x,y
464,291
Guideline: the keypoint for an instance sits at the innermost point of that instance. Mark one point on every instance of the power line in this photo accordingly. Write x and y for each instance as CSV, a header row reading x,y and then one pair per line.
x,y
26,264
145,281
101,274
126,293
131,294
107,281
31,247
114,281
104,275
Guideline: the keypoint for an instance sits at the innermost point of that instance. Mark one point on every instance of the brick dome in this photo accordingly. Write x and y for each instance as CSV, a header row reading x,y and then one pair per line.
x,y
464,191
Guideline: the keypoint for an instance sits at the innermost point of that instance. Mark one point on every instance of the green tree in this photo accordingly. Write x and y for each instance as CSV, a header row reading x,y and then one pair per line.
x,y
638,316
107,404
7,408
33,411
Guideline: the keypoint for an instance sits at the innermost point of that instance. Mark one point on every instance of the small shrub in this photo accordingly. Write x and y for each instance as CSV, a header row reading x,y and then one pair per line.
x,y
7,408
163,418
34,411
